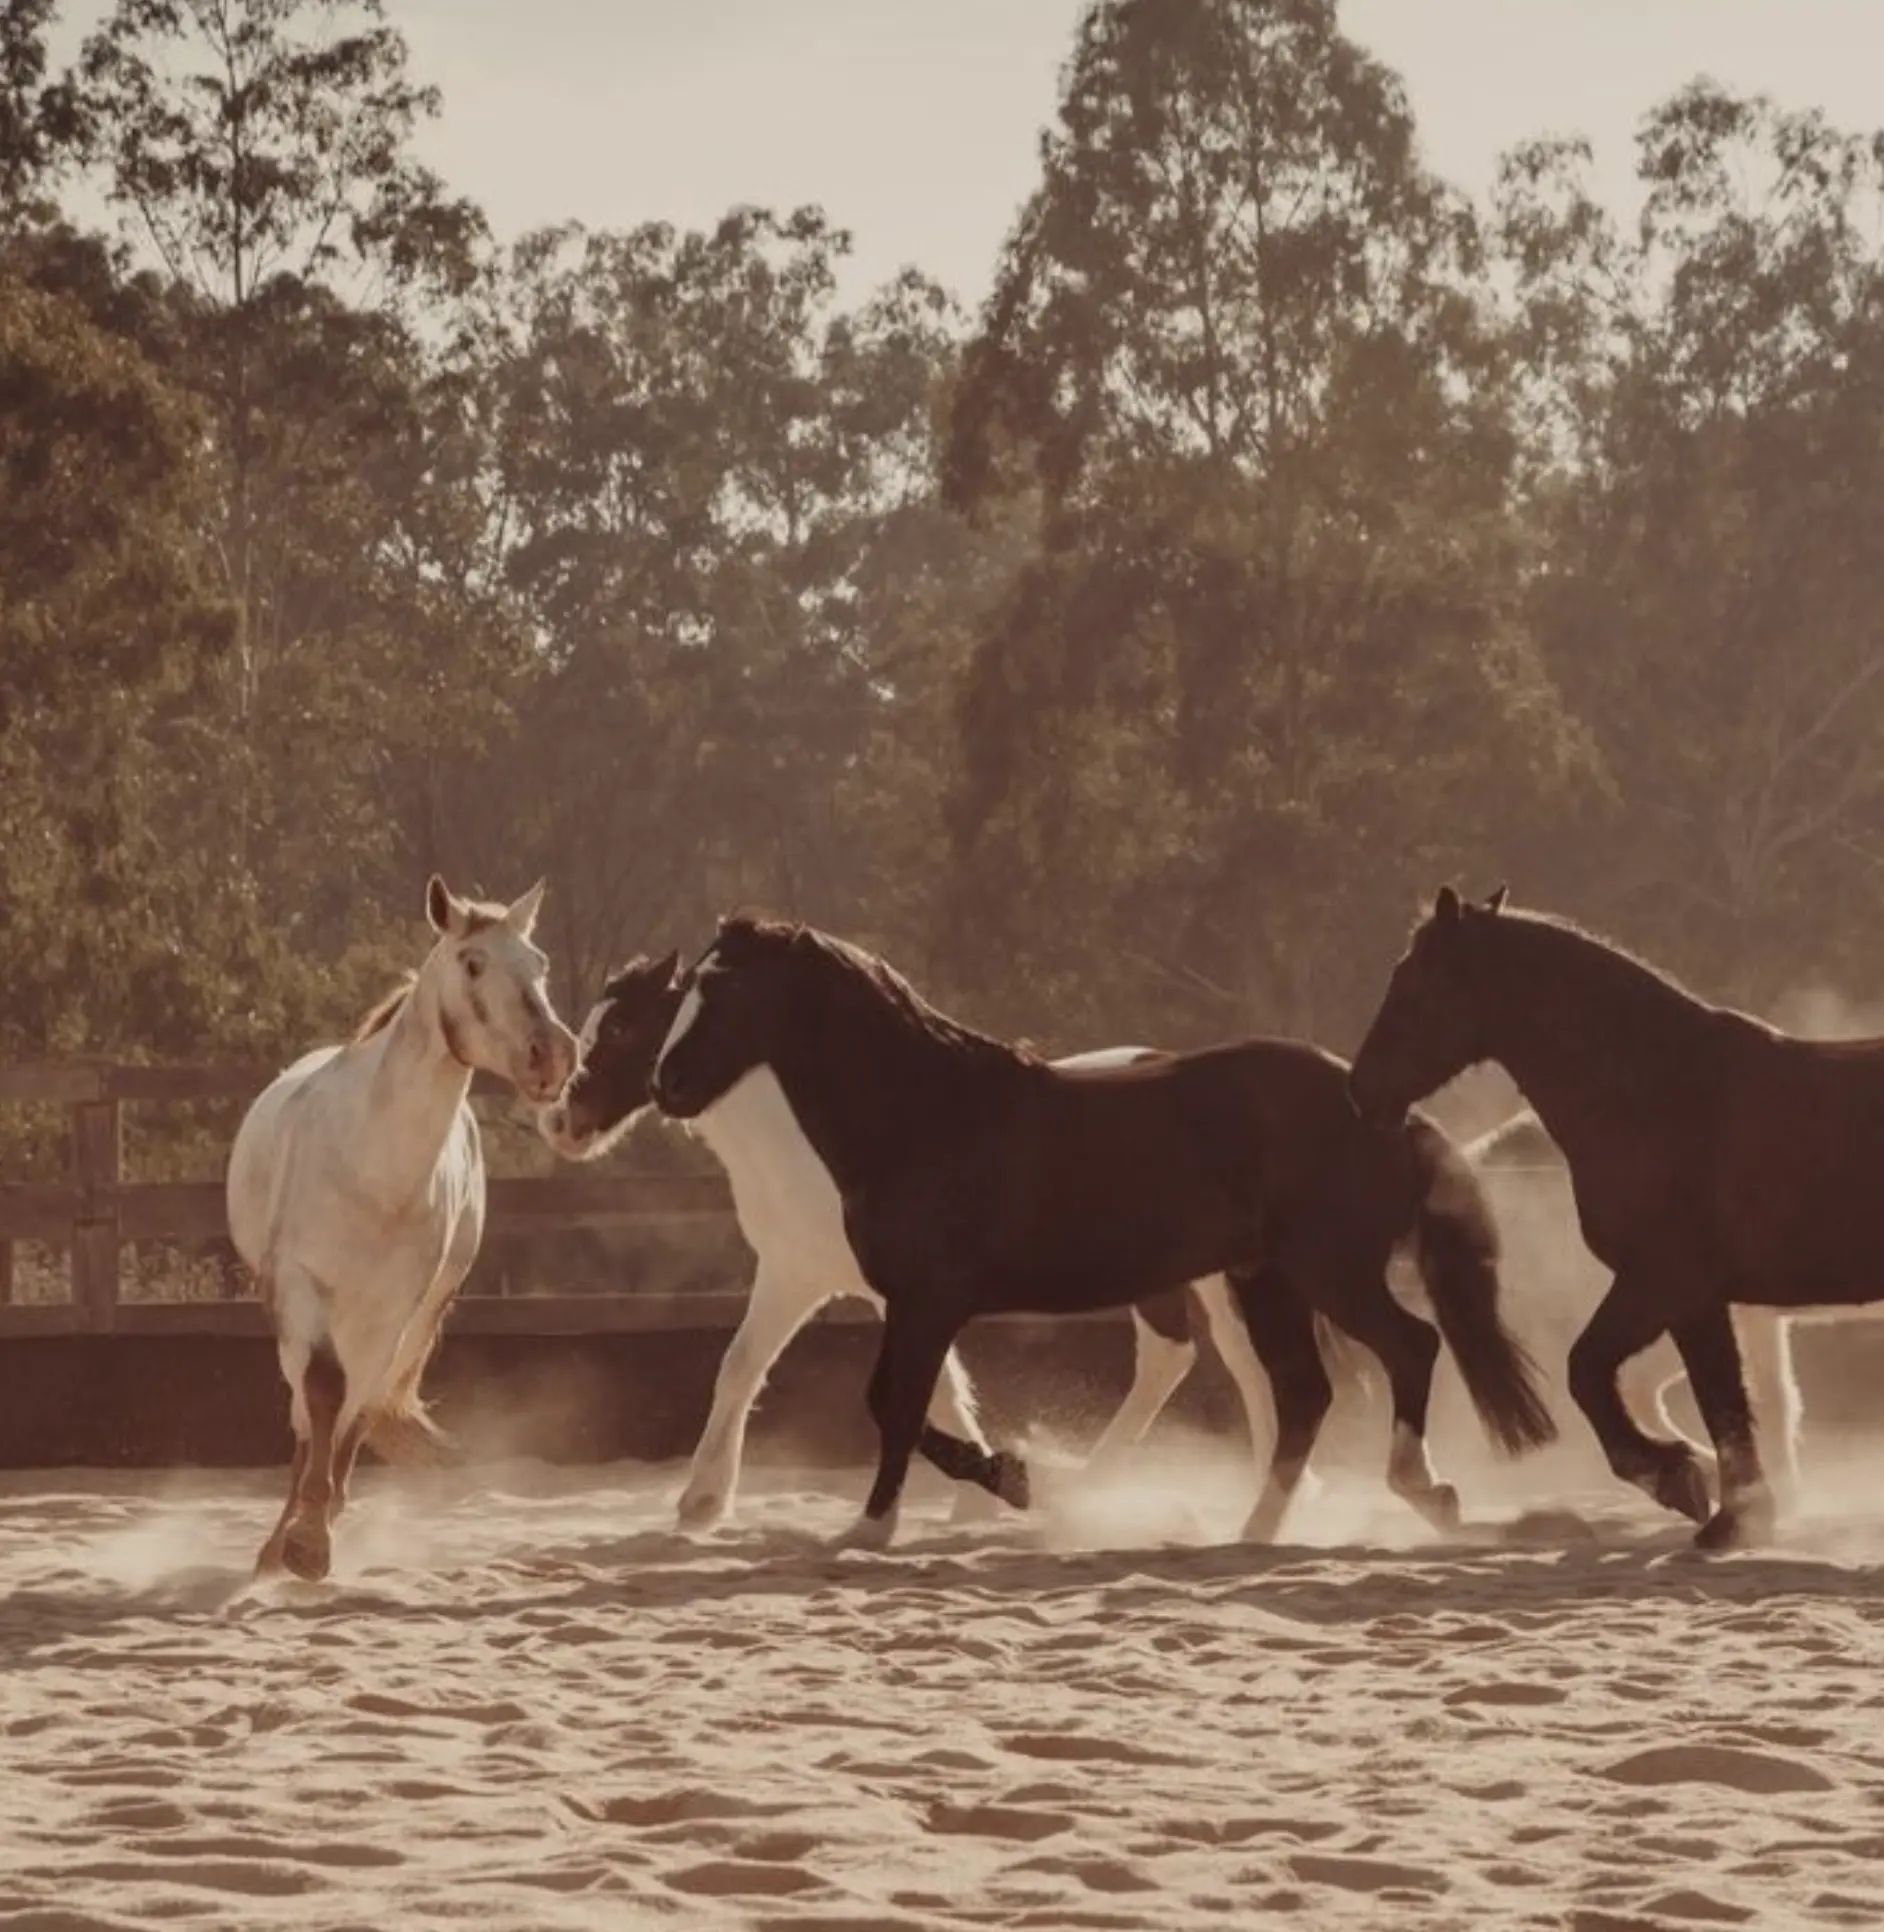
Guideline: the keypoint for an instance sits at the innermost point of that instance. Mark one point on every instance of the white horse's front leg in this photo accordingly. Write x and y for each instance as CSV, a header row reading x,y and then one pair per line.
x,y
779,1307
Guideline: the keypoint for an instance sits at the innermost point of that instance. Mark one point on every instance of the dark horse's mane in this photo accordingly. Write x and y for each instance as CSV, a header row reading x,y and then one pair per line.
x,y
869,987
1626,982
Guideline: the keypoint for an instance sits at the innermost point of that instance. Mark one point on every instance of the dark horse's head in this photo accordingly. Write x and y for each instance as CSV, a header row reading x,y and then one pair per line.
x,y
736,1003
620,1042
1430,1025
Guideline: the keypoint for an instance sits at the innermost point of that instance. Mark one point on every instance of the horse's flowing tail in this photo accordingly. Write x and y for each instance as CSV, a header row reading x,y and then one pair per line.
x,y
1455,1243
408,1437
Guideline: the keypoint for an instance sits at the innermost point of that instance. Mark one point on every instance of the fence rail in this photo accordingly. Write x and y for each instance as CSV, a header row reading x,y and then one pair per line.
x,y
96,1213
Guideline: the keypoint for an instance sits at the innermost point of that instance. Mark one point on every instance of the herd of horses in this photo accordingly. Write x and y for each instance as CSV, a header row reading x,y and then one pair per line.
x,y
1264,1192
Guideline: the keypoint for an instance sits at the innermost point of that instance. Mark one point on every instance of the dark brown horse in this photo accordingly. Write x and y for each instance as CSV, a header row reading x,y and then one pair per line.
x,y
1714,1160
975,1177
793,1222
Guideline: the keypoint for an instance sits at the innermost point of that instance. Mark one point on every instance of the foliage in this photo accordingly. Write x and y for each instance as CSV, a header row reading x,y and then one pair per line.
x,y
1283,536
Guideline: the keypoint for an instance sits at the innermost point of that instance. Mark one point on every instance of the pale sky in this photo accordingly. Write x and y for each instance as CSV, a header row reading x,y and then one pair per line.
x,y
915,122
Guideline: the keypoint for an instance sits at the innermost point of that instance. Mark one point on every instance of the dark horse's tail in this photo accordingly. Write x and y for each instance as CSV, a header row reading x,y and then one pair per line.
x,y
1455,1242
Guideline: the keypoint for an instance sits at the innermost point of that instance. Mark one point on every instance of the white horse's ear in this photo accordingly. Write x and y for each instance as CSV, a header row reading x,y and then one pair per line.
x,y
443,908
521,918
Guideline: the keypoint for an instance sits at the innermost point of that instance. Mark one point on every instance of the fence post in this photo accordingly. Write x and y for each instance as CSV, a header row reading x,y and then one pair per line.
x,y
97,1166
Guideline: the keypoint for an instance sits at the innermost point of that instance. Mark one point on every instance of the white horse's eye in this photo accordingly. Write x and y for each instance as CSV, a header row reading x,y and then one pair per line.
x,y
473,966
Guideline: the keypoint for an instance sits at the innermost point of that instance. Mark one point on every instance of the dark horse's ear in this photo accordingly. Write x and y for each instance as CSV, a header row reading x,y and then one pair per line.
x,y
1446,906
1496,903
670,966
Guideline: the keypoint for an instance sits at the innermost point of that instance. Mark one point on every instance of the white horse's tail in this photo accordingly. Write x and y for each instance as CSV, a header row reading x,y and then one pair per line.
x,y
407,1437
402,1430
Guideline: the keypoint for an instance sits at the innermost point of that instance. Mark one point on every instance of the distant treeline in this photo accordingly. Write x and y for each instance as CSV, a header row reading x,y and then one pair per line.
x,y
1285,535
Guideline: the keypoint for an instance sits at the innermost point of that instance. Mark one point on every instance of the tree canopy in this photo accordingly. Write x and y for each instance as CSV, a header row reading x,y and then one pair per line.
x,y
1283,535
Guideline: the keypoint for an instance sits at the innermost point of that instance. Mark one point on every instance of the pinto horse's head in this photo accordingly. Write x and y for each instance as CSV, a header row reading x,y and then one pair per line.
x,y
484,982
616,1050
735,1009
1430,1026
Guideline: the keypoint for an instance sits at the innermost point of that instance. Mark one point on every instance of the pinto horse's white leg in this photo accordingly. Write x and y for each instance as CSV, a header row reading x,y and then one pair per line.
x,y
1230,1336
1766,1350
779,1307
1159,1365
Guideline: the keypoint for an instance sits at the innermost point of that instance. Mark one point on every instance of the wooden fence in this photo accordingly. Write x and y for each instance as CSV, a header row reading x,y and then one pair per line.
x,y
97,1212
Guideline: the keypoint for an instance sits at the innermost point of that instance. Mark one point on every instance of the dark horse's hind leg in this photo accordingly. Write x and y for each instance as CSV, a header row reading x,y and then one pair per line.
x,y
1626,1321
1000,1472
1710,1353
1282,1331
1408,1349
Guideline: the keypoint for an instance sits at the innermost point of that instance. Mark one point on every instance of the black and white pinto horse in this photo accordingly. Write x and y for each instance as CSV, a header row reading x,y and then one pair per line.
x,y
791,1217
974,1177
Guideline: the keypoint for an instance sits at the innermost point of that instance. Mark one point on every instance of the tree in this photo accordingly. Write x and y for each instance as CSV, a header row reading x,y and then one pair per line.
x,y
264,150
1265,667
702,460
1705,511
114,934
38,121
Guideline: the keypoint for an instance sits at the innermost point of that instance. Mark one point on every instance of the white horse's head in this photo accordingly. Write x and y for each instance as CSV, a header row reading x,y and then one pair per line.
x,y
485,982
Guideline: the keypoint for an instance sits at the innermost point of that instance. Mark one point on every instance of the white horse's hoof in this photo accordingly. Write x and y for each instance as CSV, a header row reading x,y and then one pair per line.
x,y
306,1549
703,1510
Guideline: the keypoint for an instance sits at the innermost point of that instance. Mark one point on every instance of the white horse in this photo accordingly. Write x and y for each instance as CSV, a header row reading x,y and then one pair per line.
x,y
356,1196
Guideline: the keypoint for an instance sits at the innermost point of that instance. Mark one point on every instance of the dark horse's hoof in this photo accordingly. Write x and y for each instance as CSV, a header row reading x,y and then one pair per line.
x,y
1680,1486
1008,1479
1724,1530
1743,1526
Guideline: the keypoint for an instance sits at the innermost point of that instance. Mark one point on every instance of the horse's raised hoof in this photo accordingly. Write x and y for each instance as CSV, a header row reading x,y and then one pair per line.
x,y
1008,1479
1680,1486
306,1549
703,1511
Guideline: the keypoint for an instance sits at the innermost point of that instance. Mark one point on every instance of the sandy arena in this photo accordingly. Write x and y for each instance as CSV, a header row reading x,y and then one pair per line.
x,y
523,1702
